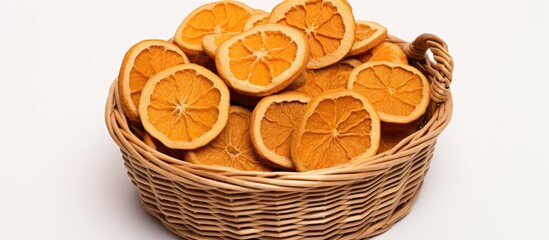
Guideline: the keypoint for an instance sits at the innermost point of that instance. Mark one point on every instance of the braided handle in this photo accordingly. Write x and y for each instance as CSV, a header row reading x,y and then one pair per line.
x,y
438,72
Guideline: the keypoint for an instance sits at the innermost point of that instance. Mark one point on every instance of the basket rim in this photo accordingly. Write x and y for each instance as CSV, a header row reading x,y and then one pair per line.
x,y
239,180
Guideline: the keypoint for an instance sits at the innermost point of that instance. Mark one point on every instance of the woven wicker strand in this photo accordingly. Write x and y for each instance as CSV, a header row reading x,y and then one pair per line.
x,y
355,201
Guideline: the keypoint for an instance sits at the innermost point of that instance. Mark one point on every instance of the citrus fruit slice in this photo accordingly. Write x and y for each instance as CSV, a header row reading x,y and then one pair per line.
x,y
141,62
233,147
368,35
185,106
337,127
212,41
331,77
256,20
328,24
158,146
273,122
400,93
385,51
213,18
262,60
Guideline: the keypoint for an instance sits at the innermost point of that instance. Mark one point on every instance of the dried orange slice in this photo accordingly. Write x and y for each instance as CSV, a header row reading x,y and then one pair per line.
x,y
368,35
213,18
385,51
256,20
337,127
273,122
141,62
400,93
185,106
328,24
212,41
332,77
233,147
262,60
157,145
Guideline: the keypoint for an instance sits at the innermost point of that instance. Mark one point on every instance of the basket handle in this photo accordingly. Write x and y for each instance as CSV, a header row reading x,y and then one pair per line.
x,y
440,71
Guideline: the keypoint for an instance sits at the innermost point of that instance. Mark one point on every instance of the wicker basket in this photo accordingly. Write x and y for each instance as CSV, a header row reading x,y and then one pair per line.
x,y
348,202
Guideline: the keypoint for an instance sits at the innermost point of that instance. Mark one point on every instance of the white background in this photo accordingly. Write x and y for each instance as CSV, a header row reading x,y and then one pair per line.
x,y
62,176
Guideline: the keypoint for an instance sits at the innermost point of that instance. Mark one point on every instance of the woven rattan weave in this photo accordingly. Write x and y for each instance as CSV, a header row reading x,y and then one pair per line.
x,y
354,201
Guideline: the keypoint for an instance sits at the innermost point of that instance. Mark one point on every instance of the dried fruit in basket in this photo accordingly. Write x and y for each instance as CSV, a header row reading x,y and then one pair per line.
x,y
385,51
262,60
368,35
337,127
328,24
273,122
213,18
399,93
233,147
317,81
184,107
141,62
297,49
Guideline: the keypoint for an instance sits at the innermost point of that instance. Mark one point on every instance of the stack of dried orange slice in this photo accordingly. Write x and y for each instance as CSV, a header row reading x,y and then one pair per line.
x,y
303,87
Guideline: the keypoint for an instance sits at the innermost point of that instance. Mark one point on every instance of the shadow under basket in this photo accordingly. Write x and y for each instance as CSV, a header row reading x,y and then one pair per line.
x,y
354,201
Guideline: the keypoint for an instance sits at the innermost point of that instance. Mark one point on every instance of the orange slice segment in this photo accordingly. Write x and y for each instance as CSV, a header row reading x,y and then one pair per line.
x,y
256,20
400,93
141,62
337,127
262,60
368,35
385,51
185,106
157,145
212,41
212,18
328,24
332,77
273,122
233,147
